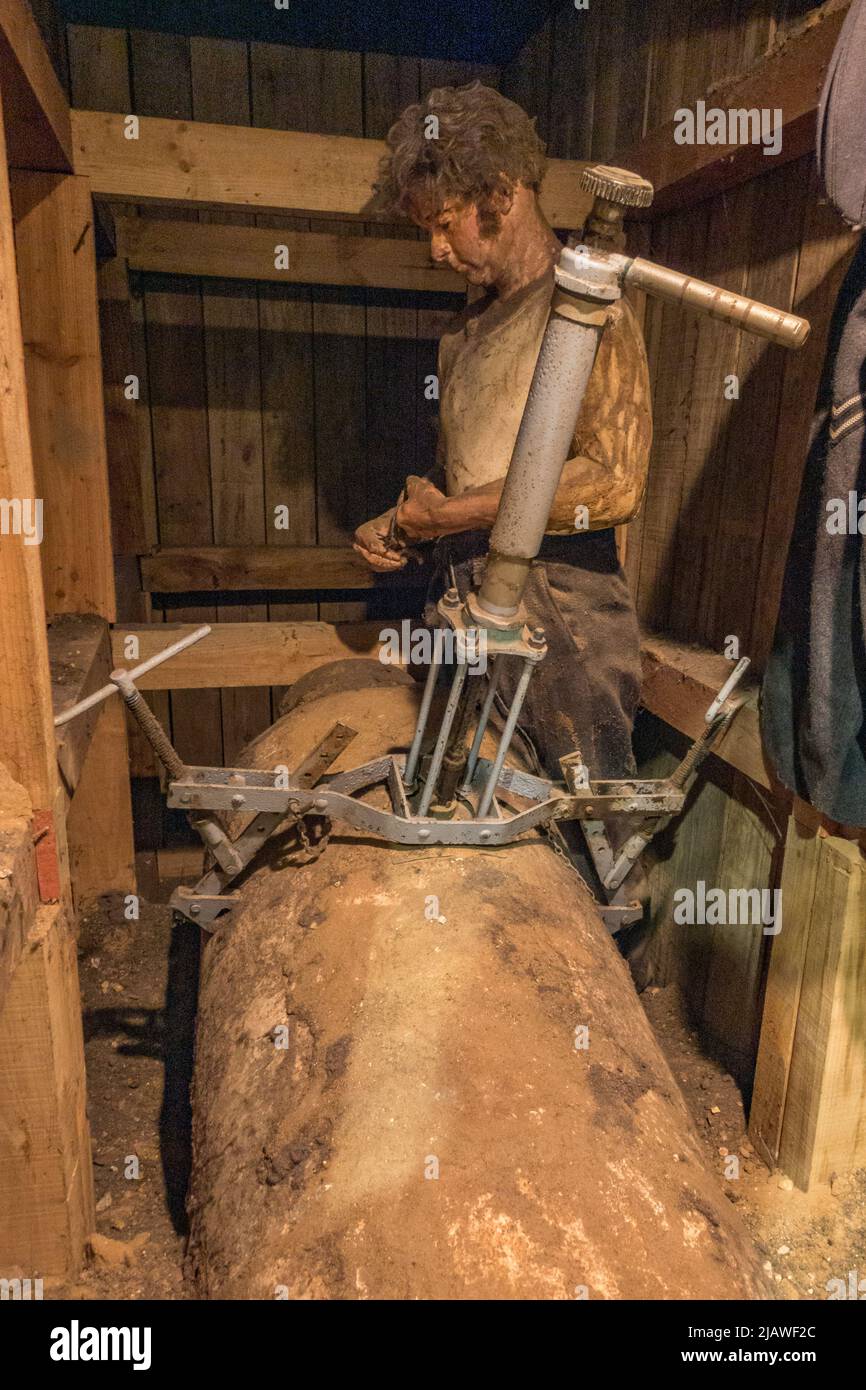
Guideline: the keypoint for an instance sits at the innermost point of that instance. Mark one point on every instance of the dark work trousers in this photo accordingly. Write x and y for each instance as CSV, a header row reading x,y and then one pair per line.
x,y
584,694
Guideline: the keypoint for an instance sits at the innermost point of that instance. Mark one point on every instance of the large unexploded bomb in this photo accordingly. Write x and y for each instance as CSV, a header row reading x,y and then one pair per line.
x,y
392,1102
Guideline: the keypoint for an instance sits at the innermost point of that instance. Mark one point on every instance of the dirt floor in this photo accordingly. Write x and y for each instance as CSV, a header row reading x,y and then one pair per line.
x,y
138,982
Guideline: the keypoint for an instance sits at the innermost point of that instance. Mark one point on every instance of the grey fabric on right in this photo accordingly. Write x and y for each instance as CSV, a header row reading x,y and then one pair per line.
x,y
842,120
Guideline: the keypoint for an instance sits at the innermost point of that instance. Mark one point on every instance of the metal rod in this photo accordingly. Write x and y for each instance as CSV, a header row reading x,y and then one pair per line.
x,y
505,740
133,674
411,768
483,720
442,740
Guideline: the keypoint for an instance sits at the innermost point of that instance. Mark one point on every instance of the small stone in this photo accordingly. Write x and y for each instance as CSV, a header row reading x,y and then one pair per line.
x,y
767,1267
786,1184
723,1151
715,1110
115,1253
104,1202
784,1250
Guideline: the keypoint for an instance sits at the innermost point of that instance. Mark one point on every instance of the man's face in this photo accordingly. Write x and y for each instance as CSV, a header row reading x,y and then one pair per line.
x,y
456,238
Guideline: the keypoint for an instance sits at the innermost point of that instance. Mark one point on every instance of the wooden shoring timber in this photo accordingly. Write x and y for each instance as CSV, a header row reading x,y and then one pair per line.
x,y
225,166
60,321
788,80
180,570
283,257
35,110
46,1182
809,1107
79,651
245,654
19,893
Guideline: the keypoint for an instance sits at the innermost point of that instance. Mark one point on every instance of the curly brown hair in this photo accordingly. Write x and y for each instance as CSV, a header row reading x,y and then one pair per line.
x,y
481,144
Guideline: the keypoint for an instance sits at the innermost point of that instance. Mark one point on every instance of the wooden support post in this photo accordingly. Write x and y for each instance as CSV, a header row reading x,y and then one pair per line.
x,y
46,1177
809,1105
60,319
46,1186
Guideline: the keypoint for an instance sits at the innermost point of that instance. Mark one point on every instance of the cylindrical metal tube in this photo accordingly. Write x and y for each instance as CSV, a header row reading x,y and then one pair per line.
x,y
442,740
133,673
562,371
423,715
483,719
789,330
505,740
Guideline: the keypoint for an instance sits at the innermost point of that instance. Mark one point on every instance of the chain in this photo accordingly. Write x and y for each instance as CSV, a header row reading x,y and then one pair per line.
x,y
311,850
553,835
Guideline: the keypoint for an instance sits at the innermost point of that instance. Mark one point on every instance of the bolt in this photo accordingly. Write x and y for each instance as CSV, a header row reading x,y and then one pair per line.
x,y
194,909
238,801
321,804
485,834
451,598
423,834
537,638
186,797
294,807
237,779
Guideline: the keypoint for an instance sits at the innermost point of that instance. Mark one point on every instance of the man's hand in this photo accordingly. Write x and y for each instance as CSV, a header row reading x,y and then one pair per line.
x,y
420,515
371,541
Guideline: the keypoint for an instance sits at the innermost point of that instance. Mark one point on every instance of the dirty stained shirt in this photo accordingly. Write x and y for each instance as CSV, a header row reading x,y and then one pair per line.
x,y
486,360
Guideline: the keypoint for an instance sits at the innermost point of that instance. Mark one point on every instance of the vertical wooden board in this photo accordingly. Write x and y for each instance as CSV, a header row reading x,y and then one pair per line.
x,y
823,1127
732,999
278,87
46,1185
123,420
26,728
572,81
334,99
393,382
609,63
526,79
772,247
59,315
99,824
673,347
723,259
442,72
230,316
670,61
634,74
688,851
98,67
784,984
174,339
824,258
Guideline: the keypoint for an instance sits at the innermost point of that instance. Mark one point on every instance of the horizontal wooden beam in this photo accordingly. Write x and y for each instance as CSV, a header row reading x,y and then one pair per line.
x,y
243,654
258,567
789,80
193,163
680,682
35,110
260,253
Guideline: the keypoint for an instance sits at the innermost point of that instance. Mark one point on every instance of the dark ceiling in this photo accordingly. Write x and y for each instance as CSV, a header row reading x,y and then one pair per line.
x,y
477,31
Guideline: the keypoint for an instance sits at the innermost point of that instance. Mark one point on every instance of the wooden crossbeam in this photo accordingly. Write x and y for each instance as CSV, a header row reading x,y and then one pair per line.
x,y
679,684
206,568
35,110
191,163
244,654
789,80
259,253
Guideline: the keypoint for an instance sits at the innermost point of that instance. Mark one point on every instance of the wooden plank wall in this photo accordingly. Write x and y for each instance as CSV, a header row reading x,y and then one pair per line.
x,y
256,397
705,556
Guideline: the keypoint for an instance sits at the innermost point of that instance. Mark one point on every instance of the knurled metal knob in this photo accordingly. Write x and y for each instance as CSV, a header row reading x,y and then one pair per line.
x,y
617,185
